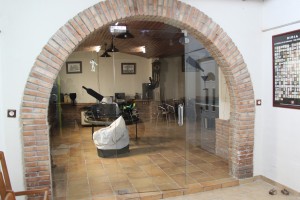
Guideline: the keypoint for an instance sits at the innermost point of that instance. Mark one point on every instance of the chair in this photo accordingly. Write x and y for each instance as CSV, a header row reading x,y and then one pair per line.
x,y
171,111
10,196
162,110
6,192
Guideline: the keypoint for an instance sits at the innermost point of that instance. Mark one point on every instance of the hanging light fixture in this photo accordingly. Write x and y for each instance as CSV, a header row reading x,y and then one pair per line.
x,y
112,46
105,54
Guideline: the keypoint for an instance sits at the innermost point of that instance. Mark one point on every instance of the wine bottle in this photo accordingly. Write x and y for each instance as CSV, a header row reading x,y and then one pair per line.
x,y
93,93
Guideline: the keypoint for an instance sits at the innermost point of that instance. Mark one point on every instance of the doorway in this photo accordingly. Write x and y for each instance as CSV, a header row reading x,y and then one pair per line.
x,y
170,153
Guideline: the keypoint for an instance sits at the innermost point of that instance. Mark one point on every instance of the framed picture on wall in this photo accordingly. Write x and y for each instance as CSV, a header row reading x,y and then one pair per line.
x,y
128,68
74,67
286,70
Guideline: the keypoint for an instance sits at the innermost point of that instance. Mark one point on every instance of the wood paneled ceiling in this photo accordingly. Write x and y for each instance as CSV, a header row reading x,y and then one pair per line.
x,y
159,39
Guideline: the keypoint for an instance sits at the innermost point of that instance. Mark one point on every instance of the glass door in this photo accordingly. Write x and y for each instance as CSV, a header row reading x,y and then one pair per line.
x,y
153,119
165,106
201,110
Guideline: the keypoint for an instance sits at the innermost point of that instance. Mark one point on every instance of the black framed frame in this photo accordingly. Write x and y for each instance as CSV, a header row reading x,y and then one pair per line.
x,y
286,70
128,68
74,67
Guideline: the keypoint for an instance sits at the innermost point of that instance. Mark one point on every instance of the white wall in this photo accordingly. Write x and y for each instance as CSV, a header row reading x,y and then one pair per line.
x,y
2,138
108,73
279,136
27,26
280,12
170,73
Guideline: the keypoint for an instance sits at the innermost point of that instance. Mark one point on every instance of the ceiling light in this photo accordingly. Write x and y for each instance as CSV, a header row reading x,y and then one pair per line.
x,y
105,54
117,29
112,46
97,48
143,48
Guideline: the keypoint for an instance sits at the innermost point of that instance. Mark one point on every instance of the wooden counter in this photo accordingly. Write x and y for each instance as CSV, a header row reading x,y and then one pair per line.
x,y
146,109
71,112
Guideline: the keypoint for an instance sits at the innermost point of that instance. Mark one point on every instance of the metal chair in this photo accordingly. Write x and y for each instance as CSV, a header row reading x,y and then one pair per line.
x,y
171,111
162,111
6,192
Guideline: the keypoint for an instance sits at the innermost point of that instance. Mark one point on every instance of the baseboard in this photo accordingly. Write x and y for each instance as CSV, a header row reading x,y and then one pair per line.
x,y
279,186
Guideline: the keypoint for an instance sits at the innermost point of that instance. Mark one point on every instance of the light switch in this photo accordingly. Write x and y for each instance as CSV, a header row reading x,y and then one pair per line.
x,y
258,102
11,113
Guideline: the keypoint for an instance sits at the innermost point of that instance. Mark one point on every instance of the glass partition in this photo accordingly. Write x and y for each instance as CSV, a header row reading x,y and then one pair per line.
x,y
153,129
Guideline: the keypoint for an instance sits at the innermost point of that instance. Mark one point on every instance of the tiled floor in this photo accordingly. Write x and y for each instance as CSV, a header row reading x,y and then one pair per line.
x,y
160,164
258,190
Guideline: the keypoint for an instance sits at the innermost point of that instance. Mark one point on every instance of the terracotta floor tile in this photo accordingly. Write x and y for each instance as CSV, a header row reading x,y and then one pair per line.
x,y
95,187
134,175
118,177
78,191
197,161
79,196
173,170
198,175
183,179
140,160
149,188
98,179
96,173
142,182
131,169
158,164
169,186
94,166
59,188
166,165
162,180
109,197
220,163
124,187
77,175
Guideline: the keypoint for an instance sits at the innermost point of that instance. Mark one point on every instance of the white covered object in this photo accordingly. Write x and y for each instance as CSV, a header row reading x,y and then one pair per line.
x,y
114,136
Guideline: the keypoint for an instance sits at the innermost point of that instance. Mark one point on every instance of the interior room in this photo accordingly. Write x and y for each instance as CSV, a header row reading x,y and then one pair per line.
x,y
135,99
167,152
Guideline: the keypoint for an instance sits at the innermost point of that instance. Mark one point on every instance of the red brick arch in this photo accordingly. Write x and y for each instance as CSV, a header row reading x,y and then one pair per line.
x,y
68,37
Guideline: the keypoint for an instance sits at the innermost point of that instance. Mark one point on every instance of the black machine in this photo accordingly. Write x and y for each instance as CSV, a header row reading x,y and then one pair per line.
x,y
93,93
111,111
104,111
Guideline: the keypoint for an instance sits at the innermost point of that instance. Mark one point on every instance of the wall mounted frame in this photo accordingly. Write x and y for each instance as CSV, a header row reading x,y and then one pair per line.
x,y
128,68
74,67
286,70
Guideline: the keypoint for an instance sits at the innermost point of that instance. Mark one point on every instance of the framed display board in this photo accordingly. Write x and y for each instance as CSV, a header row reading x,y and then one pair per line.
x,y
286,70
74,67
128,68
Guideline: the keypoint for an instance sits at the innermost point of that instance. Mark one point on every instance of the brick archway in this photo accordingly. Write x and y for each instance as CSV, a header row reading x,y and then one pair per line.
x,y
68,37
